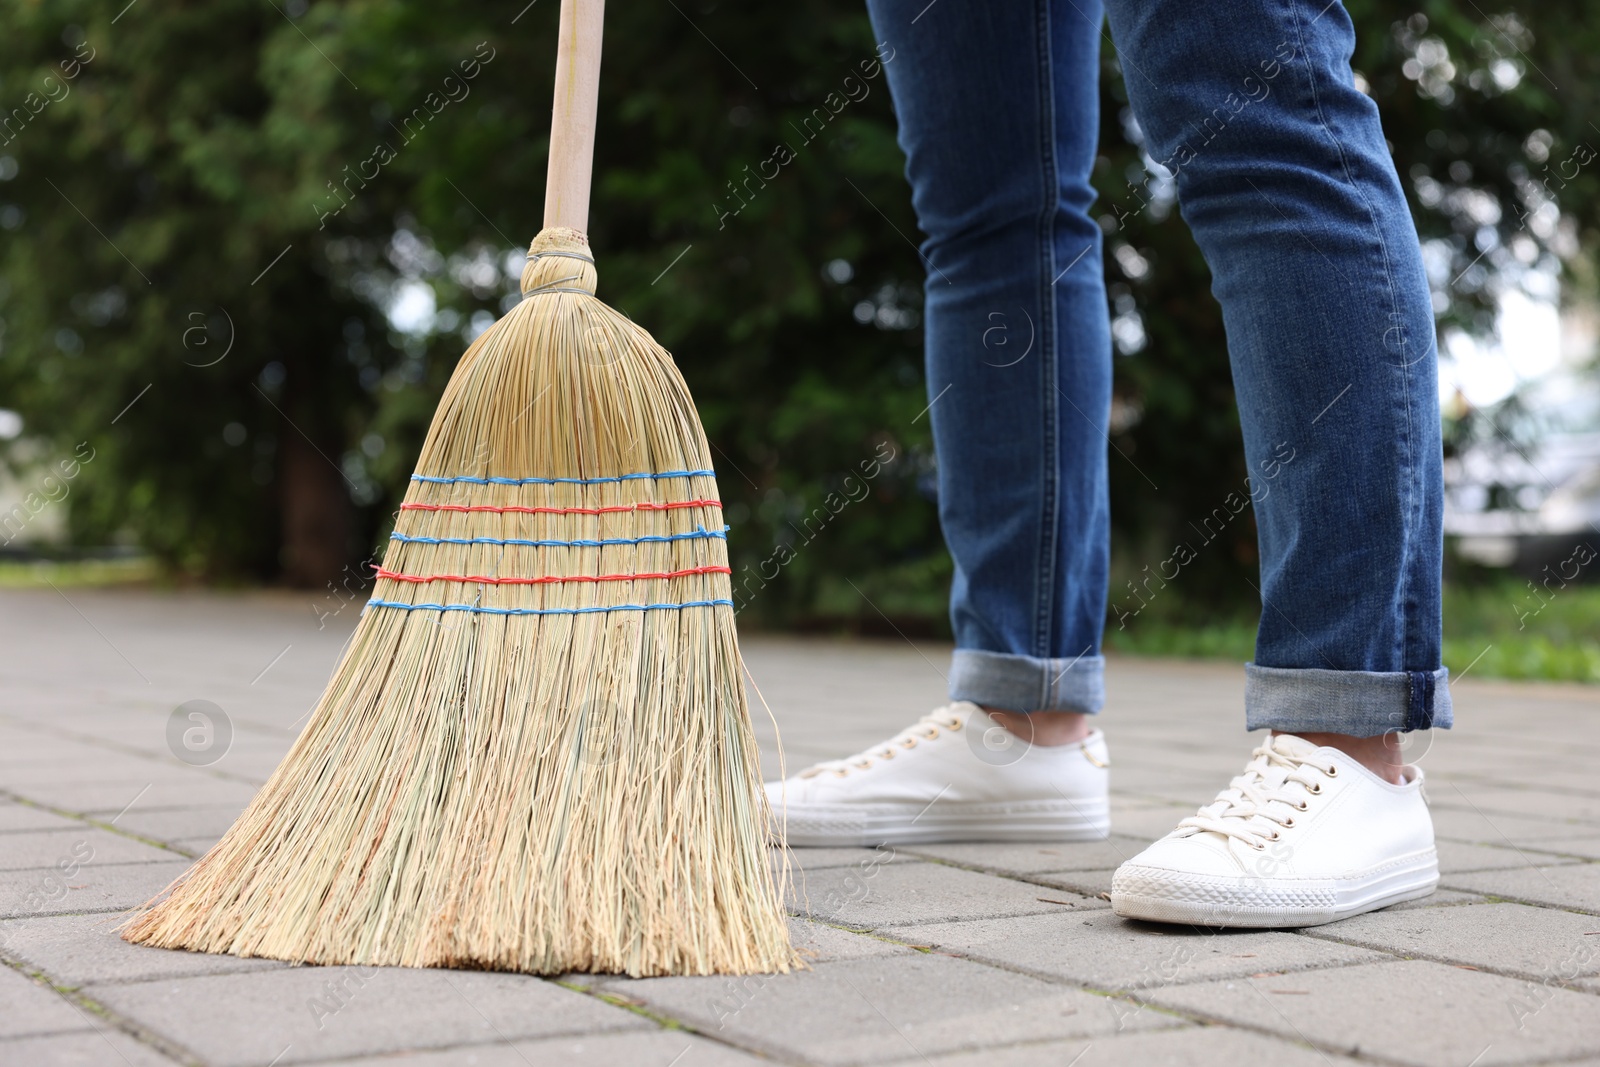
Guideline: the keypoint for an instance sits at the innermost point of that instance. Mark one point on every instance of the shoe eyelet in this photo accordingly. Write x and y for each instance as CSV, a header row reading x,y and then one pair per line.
x,y
910,742
1288,824
841,773
932,734
953,725
1304,806
865,764
1258,846
1333,770
1275,836
1315,788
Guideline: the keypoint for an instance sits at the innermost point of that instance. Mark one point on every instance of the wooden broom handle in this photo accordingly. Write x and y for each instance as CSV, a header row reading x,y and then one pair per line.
x,y
566,190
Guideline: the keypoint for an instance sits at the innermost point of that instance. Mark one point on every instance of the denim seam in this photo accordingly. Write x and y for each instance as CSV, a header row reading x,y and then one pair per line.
x,y
1049,532
1344,164
1412,498
1419,712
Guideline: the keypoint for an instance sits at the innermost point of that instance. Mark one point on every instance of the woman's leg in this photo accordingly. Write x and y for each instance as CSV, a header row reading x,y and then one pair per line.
x,y
1284,177
1286,182
998,116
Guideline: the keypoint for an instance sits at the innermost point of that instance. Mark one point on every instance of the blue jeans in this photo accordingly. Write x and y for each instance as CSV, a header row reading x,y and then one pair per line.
x,y
1283,176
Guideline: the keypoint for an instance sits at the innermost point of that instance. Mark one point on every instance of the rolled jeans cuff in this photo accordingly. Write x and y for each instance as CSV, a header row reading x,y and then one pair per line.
x,y
1359,703
1028,683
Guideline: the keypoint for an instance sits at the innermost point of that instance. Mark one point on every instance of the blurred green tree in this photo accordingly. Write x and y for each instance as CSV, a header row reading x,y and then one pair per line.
x,y
160,303
1480,134
394,155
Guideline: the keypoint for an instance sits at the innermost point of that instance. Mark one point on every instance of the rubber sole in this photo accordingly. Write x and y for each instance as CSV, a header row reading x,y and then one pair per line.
x,y
1157,895
842,826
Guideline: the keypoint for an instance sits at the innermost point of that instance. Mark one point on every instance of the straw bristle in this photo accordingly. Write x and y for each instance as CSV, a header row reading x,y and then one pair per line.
x,y
538,776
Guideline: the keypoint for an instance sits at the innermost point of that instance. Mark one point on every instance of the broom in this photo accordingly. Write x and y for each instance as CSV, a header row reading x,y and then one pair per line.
x,y
536,753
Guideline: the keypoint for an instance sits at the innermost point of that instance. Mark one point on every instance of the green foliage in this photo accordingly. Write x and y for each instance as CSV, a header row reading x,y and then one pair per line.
x,y
1501,629
203,140
145,200
1487,147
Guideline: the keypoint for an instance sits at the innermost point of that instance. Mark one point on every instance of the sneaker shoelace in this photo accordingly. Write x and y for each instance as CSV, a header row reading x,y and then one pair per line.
x,y
1260,800
926,728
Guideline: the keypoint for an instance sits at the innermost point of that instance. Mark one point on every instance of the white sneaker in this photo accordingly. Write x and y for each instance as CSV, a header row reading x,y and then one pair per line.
x,y
956,775
1304,836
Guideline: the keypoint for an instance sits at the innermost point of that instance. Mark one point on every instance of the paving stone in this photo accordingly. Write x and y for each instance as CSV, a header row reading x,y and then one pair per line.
x,y
1188,1046
816,859
102,765
887,1008
21,749
103,799
901,893
96,887
1146,824
1170,805
1184,789
75,950
1439,898
294,1014
1090,884
1581,847
181,824
105,1046
1100,950
821,943
1409,1011
1535,802
1574,886
86,734
1124,804
75,847
850,868
15,817
660,1048
252,772
1563,778
1543,944
26,1007
1145,741
1465,824
1460,857
1034,858
193,846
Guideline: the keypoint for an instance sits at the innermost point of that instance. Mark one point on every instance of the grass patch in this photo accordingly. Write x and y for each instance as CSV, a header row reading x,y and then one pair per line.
x,y
1519,635
1493,630
1230,639
78,573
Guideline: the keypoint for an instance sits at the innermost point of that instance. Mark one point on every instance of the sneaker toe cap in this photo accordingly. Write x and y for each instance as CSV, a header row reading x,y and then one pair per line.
x,y
1205,855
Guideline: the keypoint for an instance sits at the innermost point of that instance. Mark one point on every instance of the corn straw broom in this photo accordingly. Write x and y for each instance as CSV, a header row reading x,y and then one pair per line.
x,y
535,754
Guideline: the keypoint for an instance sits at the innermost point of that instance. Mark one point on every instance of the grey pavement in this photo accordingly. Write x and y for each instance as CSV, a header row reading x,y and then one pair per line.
x,y
983,955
